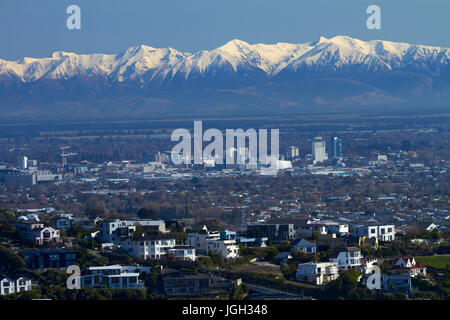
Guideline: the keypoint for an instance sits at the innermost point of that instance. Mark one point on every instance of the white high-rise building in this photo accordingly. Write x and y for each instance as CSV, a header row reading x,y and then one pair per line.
x,y
293,152
319,150
23,162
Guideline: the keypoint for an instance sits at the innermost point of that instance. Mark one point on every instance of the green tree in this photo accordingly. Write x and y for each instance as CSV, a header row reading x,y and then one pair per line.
x,y
9,260
146,213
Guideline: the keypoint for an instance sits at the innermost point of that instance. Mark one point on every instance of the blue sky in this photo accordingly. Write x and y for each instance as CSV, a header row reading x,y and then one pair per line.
x,y
36,28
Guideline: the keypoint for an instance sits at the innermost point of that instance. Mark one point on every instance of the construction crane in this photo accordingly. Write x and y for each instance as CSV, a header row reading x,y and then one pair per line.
x,y
64,155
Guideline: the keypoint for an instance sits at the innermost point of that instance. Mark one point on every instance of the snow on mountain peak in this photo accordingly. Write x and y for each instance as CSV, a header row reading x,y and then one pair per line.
x,y
146,63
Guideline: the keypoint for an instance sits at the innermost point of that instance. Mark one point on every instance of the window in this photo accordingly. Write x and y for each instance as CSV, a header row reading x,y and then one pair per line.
x,y
54,257
132,280
70,256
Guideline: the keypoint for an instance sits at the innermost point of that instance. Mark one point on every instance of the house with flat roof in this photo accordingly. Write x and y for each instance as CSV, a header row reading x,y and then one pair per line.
x,y
114,277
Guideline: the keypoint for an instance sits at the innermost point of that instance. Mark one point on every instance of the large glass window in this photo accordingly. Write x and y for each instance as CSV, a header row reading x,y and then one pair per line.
x,y
54,257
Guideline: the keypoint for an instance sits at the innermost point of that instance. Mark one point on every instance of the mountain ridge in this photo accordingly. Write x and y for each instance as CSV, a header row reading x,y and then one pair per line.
x,y
236,78
152,63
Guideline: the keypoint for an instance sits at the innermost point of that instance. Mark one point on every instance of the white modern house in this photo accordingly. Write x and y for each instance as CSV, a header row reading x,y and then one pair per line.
x,y
337,228
307,228
207,242
349,258
229,249
116,230
317,272
154,247
382,232
184,253
14,283
199,240
114,277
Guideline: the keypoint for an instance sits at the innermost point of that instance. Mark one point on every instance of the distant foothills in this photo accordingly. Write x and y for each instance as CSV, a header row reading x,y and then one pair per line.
x,y
337,74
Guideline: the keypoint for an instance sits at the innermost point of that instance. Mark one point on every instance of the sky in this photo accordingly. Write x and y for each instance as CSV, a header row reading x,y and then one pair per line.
x,y
36,28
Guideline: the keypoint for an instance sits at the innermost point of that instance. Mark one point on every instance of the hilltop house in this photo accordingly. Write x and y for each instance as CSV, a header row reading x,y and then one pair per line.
x,y
114,277
215,242
157,247
410,266
115,231
348,258
37,232
62,221
197,285
317,272
305,246
382,232
49,258
14,283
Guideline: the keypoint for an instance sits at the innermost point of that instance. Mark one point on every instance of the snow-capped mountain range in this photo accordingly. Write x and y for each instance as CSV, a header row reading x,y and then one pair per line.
x,y
148,64
233,79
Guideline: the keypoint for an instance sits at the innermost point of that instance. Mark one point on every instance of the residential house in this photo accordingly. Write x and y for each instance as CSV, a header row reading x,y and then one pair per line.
x,y
274,232
409,265
38,233
199,240
317,272
157,247
49,258
183,253
115,231
347,258
305,246
62,221
396,283
14,283
252,242
382,232
198,285
114,277
228,249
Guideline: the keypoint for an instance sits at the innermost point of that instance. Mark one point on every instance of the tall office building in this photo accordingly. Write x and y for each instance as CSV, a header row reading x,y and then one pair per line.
x,y
22,162
337,148
319,150
293,152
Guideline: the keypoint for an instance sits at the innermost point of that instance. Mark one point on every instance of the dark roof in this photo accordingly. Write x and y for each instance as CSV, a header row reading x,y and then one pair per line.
x,y
14,276
47,251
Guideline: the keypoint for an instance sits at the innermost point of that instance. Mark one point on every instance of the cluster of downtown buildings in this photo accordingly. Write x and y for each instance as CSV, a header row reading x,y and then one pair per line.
x,y
27,172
